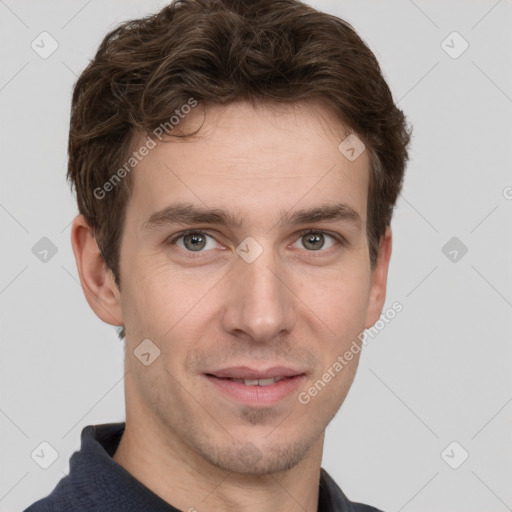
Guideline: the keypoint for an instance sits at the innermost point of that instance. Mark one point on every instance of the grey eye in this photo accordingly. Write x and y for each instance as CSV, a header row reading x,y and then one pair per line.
x,y
313,241
194,241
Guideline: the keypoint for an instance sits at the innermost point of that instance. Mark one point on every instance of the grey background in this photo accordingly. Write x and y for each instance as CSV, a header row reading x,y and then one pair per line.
x,y
438,373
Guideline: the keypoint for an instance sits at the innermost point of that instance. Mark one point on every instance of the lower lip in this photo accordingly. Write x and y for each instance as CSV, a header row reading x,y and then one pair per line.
x,y
257,395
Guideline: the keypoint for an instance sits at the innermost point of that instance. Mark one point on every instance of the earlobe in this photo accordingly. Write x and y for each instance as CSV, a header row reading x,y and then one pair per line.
x,y
96,279
379,280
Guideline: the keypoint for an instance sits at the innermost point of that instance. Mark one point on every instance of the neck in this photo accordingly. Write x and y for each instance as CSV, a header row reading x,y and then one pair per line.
x,y
183,478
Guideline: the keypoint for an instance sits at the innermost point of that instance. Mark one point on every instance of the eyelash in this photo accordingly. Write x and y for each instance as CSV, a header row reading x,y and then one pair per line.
x,y
196,254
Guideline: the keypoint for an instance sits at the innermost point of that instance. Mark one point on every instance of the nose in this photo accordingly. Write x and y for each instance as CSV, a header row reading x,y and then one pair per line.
x,y
259,301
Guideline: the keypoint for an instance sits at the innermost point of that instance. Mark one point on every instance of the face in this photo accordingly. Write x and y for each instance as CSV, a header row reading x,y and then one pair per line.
x,y
244,259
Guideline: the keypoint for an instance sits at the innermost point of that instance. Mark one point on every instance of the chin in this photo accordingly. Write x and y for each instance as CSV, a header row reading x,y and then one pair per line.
x,y
246,457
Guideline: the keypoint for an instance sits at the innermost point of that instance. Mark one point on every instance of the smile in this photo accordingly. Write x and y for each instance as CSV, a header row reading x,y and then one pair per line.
x,y
253,387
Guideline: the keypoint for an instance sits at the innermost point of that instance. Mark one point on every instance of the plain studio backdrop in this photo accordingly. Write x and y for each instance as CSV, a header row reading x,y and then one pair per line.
x,y
427,423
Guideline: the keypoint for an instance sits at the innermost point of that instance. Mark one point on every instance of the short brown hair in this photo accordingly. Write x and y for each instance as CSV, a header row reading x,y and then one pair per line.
x,y
221,51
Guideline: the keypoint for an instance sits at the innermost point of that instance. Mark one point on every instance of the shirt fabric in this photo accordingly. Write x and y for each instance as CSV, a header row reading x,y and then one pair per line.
x,y
97,483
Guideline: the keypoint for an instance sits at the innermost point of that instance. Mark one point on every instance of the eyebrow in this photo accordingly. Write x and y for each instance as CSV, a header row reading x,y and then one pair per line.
x,y
188,214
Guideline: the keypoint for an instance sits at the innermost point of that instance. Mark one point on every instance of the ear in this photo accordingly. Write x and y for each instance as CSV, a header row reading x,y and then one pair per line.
x,y
96,279
379,280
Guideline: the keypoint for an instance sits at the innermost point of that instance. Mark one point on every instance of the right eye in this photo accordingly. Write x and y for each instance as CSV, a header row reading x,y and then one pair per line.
x,y
193,241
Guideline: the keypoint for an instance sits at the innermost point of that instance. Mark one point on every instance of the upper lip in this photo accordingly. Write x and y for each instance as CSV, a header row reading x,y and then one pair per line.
x,y
245,372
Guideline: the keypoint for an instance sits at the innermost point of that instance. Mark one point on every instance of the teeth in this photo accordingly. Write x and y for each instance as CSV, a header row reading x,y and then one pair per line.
x,y
259,382
267,382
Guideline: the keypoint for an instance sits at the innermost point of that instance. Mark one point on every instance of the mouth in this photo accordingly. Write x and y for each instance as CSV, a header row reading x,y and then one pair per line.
x,y
251,386
256,382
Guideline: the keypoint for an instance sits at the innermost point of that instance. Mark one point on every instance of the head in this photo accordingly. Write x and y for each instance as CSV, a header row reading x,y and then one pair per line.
x,y
225,118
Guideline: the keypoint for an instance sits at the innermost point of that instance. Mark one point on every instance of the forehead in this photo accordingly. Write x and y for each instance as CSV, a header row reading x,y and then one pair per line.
x,y
252,160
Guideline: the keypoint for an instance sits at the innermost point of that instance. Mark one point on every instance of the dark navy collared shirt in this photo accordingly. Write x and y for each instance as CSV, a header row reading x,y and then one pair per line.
x,y
97,483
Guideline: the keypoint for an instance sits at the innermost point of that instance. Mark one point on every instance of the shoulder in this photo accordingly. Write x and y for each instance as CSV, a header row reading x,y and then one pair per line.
x,y
41,505
332,498
61,499
361,507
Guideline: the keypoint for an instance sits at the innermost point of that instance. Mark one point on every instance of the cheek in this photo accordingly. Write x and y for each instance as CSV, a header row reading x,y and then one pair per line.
x,y
161,304
340,298
146,300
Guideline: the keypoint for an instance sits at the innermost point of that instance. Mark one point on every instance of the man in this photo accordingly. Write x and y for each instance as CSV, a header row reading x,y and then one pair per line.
x,y
236,164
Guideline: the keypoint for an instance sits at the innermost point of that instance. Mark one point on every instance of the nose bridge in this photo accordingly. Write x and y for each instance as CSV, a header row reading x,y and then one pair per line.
x,y
259,302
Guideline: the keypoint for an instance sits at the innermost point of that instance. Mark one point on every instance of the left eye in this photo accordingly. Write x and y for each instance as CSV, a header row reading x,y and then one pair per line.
x,y
315,240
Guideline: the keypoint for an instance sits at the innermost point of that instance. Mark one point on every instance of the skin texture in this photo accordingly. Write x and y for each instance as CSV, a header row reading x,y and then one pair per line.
x,y
293,306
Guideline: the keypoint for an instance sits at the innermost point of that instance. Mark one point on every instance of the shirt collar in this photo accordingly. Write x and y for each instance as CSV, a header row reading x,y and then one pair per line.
x,y
103,483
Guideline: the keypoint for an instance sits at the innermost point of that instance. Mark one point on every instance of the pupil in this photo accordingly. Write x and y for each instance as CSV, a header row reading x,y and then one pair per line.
x,y
312,241
198,241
